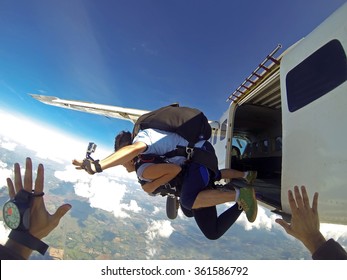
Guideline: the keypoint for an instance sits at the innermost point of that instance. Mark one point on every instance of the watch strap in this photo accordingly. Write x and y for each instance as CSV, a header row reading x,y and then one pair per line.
x,y
24,196
28,240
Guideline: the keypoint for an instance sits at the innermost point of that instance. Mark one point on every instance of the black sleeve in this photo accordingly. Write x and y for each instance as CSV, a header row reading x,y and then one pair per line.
x,y
330,250
8,254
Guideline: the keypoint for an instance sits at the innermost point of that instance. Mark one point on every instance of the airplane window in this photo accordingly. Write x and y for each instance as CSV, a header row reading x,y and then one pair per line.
x,y
316,76
223,131
240,143
265,146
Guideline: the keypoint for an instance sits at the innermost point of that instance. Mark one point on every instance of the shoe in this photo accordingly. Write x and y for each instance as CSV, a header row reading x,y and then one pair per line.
x,y
251,176
248,203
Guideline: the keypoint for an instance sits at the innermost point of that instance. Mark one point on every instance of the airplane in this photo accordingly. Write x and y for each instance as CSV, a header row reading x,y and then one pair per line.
x,y
287,120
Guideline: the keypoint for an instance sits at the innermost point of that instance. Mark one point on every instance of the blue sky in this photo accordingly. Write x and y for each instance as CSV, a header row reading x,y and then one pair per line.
x,y
140,54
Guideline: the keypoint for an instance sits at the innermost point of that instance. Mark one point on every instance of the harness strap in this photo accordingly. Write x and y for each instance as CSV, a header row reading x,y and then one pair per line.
x,y
198,155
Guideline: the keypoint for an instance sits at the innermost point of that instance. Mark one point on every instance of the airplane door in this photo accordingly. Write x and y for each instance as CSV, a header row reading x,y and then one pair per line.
x,y
222,139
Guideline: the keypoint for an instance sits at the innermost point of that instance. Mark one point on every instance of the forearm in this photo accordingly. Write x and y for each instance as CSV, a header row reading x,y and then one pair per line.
x,y
313,242
122,156
152,186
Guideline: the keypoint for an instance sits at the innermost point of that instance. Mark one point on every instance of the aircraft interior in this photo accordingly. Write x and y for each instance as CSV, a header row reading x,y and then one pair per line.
x,y
261,128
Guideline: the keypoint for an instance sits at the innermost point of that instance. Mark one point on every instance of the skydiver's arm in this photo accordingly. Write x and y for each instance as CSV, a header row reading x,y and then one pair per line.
x,y
160,174
123,155
304,223
120,157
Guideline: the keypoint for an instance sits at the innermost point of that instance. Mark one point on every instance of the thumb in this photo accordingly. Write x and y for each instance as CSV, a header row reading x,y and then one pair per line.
x,y
283,224
61,211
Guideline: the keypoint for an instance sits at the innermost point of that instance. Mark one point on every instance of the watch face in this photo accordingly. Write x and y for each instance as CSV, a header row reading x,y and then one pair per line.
x,y
11,215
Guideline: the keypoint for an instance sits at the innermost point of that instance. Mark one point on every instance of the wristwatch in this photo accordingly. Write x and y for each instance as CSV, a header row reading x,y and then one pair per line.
x,y
16,215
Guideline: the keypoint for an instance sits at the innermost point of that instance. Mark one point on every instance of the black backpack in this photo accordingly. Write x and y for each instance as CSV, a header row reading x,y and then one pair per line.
x,y
189,123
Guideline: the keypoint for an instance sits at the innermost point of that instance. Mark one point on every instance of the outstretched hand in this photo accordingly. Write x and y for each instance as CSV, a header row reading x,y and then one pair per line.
x,y
85,164
41,222
305,220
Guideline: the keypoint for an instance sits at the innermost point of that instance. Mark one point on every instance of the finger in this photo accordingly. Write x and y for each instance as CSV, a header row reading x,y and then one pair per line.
x,y
305,199
28,175
315,202
292,202
77,162
17,178
11,191
283,224
298,197
39,182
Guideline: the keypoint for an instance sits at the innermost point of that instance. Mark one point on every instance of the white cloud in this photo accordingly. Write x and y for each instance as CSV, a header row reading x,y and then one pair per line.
x,y
156,210
157,229
4,232
4,173
334,231
36,136
70,174
264,220
133,207
161,228
102,190
151,252
7,144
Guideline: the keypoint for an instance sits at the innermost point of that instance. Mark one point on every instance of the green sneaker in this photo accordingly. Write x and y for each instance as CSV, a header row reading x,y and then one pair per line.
x,y
248,203
251,176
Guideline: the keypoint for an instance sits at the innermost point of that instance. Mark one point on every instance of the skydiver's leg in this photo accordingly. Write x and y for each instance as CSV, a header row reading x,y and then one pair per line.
x,y
213,226
194,193
213,197
249,176
232,174
188,213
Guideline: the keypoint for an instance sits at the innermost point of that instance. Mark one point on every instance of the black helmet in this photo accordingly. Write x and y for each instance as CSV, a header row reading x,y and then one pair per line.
x,y
124,138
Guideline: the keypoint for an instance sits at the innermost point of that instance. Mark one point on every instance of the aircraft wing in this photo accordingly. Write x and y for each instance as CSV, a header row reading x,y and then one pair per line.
x,y
88,107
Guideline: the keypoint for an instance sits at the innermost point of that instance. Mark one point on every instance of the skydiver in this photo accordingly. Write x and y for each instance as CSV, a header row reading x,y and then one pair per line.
x,y
194,195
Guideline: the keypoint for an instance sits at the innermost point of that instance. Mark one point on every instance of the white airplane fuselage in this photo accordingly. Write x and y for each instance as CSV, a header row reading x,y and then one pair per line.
x,y
292,120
